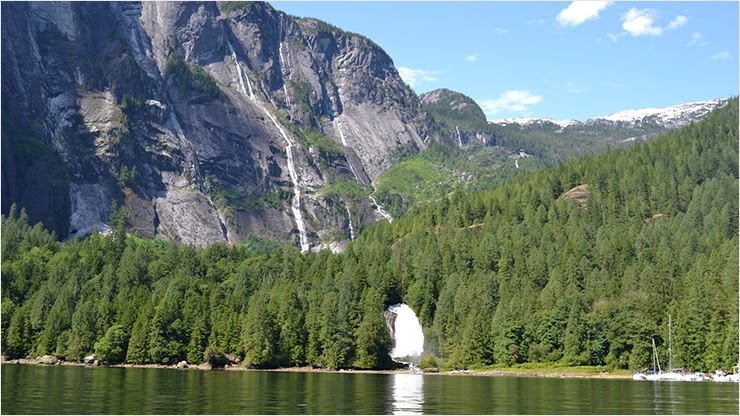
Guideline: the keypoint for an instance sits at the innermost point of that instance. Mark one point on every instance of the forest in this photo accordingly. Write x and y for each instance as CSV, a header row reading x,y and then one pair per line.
x,y
517,274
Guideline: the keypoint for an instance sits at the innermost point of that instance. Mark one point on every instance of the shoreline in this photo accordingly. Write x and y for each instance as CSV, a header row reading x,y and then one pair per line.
x,y
513,372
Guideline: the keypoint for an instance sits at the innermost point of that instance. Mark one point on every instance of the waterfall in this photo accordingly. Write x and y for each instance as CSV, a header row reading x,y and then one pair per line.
x,y
282,61
516,162
459,140
408,338
296,203
282,72
335,122
380,209
349,218
241,77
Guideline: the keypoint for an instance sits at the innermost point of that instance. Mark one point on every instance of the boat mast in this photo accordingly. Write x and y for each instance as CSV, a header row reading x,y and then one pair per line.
x,y
656,361
670,351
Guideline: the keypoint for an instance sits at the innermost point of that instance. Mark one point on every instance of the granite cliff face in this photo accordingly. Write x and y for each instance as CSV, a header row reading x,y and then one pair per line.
x,y
209,121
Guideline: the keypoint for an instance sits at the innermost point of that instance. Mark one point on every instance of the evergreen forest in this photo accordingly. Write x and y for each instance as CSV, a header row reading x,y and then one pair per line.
x,y
578,264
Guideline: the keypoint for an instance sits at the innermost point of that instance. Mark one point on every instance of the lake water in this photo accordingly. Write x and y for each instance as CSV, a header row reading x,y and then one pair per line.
x,y
80,390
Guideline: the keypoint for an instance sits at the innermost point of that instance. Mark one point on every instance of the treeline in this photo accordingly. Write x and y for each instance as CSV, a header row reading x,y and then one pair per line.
x,y
512,275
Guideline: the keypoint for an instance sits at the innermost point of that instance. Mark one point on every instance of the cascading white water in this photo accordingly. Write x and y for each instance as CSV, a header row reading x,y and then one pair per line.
x,y
282,71
408,338
241,77
349,218
459,140
380,209
282,63
335,122
516,163
296,203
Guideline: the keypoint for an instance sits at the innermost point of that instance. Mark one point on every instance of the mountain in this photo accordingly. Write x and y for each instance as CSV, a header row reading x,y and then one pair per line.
x,y
453,108
207,121
524,121
476,154
668,117
580,264
557,140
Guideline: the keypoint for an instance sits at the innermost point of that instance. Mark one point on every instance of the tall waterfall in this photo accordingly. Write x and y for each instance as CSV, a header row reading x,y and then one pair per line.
x,y
349,218
296,203
282,62
459,139
408,338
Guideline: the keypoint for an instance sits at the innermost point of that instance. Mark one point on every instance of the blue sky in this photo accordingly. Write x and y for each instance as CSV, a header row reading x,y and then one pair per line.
x,y
551,59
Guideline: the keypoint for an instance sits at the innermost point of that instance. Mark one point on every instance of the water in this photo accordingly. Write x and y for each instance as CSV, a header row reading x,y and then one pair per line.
x,y
79,390
408,338
282,63
335,122
380,209
349,218
241,76
296,203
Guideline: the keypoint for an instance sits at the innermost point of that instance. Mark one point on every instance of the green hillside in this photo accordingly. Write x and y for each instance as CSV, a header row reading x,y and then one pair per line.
x,y
526,272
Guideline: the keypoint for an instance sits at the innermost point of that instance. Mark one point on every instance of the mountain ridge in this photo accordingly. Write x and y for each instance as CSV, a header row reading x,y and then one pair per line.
x,y
671,116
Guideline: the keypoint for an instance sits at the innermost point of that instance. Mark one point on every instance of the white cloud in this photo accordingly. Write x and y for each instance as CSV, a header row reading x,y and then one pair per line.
x,y
536,21
721,56
677,22
695,37
511,101
580,11
642,22
412,76
500,31
471,58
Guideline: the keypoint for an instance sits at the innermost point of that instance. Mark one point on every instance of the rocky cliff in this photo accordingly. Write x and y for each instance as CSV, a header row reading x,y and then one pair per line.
x,y
459,115
209,121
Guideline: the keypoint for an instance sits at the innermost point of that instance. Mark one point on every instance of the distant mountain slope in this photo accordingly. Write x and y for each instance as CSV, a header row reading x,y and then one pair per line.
x,y
454,108
558,140
669,117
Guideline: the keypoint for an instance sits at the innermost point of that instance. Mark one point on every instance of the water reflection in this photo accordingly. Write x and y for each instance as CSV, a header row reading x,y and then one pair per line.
x,y
408,394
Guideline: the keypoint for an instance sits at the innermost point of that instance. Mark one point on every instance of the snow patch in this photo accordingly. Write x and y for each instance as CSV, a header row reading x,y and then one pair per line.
x,y
523,121
674,115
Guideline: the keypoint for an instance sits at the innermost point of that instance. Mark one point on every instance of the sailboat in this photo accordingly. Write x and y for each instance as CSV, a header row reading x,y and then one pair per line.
x,y
659,375
671,375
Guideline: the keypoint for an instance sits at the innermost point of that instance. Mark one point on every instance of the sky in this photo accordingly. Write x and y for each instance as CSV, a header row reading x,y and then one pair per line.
x,y
560,60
